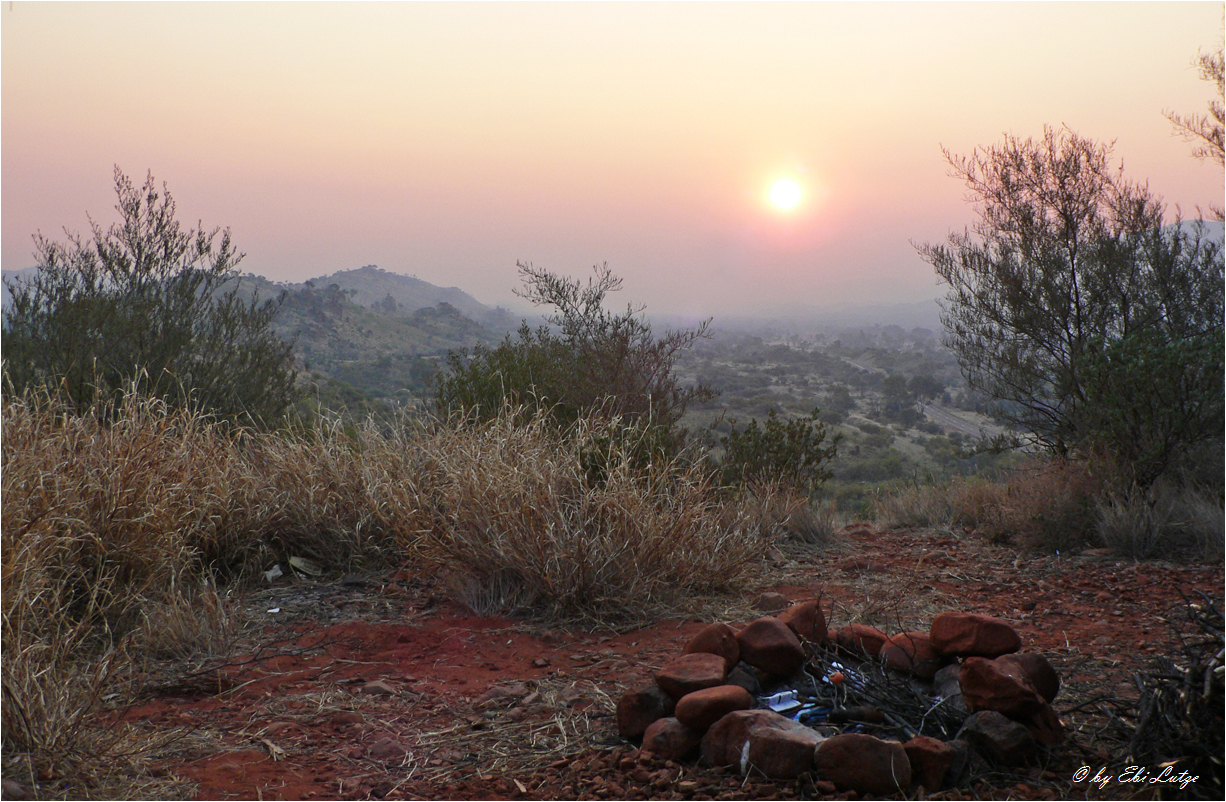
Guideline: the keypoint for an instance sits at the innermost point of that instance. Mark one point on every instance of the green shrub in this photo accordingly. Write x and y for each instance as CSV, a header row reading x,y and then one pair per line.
x,y
592,362
793,452
148,305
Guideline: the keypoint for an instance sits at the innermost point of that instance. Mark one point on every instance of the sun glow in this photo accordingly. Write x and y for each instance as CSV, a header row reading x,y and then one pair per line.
x,y
785,193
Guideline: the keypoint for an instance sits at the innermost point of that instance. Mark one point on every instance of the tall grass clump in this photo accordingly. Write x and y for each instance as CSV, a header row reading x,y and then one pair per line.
x,y
516,514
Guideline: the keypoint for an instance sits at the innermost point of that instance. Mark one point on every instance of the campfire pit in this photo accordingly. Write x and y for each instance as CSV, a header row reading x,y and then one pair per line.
x,y
867,712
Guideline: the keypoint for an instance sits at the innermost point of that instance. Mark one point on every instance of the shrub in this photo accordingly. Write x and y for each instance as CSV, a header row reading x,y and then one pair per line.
x,y
592,363
145,303
792,452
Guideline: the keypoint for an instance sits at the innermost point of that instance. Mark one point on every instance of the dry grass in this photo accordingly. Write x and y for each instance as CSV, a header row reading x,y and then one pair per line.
x,y
1178,522
116,522
1058,505
513,515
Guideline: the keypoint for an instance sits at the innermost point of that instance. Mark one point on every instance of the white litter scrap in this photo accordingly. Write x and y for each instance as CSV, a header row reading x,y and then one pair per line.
x,y
782,702
305,566
274,573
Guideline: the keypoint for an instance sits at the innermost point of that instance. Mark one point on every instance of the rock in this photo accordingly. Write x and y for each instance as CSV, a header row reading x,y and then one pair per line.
x,y
692,672
716,639
1040,672
724,743
700,709
1045,726
387,750
504,692
807,620
637,710
345,718
747,677
770,645
864,764
912,653
14,790
998,685
781,754
669,739
946,685
969,634
930,760
855,565
770,602
378,688
997,738
862,638
959,769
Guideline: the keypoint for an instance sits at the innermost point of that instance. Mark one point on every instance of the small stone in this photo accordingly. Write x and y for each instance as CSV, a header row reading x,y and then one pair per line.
x,y
912,653
862,638
378,688
716,639
997,738
387,749
511,690
770,645
345,718
807,620
770,602
969,634
669,739
864,764
692,672
700,709
13,790
636,710
930,760
541,662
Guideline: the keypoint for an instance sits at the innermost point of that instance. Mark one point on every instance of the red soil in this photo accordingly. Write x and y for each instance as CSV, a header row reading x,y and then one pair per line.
x,y
297,720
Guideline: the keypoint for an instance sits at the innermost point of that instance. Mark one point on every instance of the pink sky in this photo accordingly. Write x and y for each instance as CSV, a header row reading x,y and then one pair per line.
x,y
450,140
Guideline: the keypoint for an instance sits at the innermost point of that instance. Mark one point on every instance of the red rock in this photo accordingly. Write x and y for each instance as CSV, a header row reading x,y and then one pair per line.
x,y
692,672
1045,726
912,653
998,685
700,709
770,602
724,743
669,739
770,645
1040,672
636,710
378,688
807,620
716,639
781,754
508,691
969,634
862,638
930,760
387,749
864,764
997,738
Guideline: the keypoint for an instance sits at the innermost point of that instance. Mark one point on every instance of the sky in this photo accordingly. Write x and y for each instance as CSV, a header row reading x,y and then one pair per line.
x,y
450,140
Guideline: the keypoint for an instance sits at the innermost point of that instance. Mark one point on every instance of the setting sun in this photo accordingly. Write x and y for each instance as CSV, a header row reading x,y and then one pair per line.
x,y
785,193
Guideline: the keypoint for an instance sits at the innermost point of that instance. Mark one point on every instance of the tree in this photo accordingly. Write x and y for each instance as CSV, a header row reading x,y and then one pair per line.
x,y
1207,130
1072,301
592,362
147,304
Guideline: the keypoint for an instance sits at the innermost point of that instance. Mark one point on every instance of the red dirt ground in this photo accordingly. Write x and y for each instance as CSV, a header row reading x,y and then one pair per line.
x,y
296,718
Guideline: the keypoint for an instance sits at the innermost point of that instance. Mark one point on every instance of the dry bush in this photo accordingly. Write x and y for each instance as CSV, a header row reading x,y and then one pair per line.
x,y
813,524
1174,522
917,506
514,515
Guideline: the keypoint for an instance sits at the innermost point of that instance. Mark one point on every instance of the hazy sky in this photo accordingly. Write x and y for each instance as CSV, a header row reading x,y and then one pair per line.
x,y
449,140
